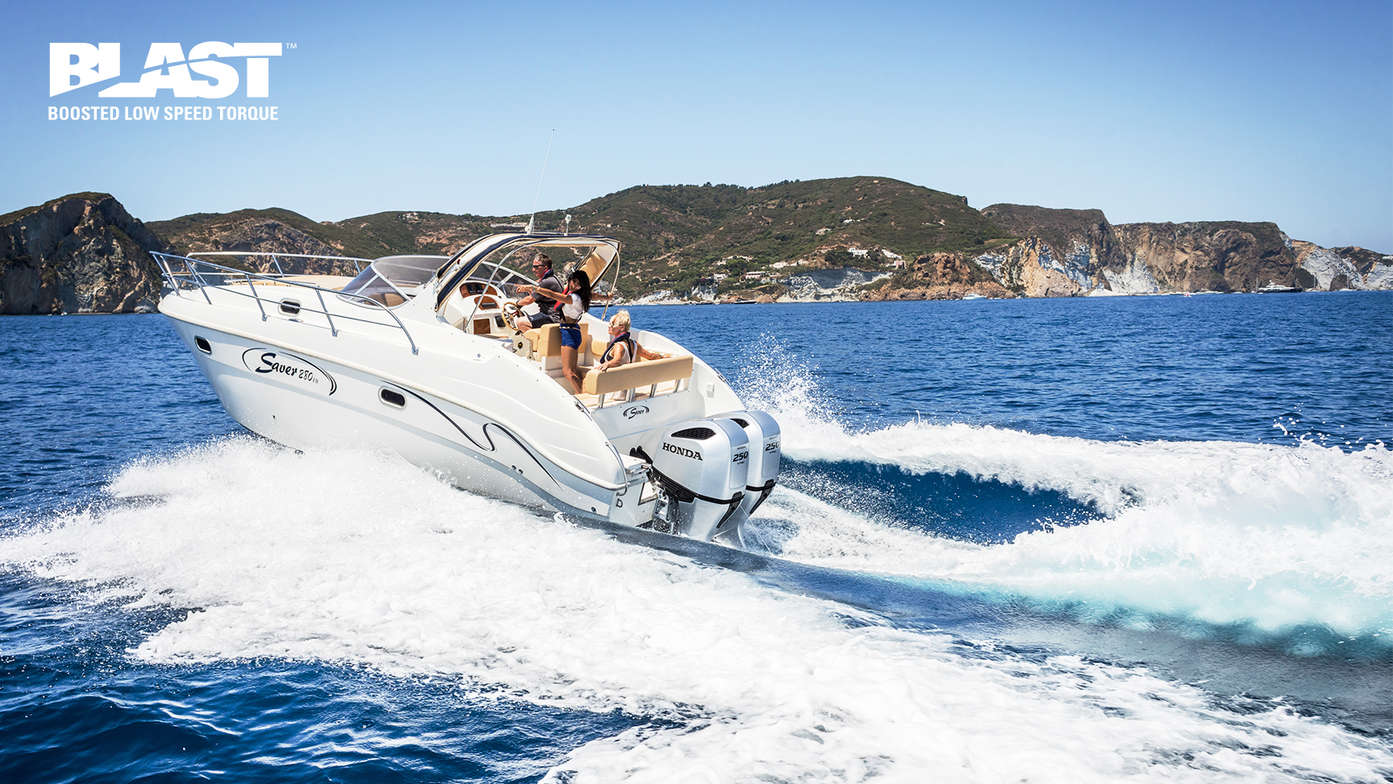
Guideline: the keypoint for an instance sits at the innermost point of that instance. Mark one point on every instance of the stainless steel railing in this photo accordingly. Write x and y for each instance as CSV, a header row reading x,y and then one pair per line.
x,y
200,275
276,257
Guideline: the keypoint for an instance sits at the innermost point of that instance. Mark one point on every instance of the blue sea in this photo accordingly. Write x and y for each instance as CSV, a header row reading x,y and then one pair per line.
x,y
1030,540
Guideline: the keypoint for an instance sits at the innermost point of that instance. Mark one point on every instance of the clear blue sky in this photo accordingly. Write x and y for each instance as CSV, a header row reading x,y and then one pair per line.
x,y
1176,111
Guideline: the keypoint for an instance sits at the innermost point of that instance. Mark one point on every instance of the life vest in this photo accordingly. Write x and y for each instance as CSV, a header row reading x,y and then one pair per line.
x,y
557,305
628,344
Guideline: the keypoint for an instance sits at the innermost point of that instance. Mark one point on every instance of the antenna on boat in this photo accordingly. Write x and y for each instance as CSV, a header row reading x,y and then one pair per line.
x,y
531,219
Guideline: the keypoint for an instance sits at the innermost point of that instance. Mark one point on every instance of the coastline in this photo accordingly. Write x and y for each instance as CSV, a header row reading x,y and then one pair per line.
x,y
833,301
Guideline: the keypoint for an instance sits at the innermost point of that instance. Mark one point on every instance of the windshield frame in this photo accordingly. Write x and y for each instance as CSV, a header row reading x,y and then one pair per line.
x,y
391,275
468,264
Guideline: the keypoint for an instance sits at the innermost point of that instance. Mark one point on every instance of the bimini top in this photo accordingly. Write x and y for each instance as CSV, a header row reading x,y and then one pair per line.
x,y
495,258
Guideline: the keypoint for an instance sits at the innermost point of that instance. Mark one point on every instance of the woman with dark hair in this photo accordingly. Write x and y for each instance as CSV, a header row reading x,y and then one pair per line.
x,y
570,306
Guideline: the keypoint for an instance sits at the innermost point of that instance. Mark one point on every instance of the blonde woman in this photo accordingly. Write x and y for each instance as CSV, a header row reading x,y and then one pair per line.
x,y
622,349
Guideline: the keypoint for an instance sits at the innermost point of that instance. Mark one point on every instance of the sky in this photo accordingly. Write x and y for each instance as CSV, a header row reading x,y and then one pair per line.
x,y
1149,111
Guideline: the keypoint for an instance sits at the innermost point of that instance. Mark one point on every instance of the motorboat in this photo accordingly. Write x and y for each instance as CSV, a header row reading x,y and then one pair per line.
x,y
420,355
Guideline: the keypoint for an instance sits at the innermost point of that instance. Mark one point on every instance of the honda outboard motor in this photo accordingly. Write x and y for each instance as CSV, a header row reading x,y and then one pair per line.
x,y
701,466
765,452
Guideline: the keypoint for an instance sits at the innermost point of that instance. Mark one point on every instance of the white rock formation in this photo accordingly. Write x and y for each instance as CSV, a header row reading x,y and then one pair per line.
x,y
1325,265
829,284
1135,278
1380,277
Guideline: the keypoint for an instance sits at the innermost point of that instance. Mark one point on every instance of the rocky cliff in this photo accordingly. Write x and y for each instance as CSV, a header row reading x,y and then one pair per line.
x,y
1334,269
1075,252
1211,256
938,276
77,254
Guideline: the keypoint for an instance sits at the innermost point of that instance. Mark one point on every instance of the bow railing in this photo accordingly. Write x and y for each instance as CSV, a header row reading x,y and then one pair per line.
x,y
185,274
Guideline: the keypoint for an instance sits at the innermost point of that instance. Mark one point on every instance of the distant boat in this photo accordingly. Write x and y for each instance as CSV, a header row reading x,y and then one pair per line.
x,y
1273,288
973,295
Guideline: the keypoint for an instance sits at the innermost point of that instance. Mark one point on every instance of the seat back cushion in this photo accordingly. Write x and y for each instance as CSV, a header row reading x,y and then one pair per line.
x,y
638,374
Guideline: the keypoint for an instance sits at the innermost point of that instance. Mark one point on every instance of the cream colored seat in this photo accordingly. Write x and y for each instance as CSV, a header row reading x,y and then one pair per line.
x,y
546,347
632,376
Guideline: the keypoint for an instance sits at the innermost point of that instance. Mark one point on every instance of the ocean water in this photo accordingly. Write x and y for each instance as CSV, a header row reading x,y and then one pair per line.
x,y
1050,540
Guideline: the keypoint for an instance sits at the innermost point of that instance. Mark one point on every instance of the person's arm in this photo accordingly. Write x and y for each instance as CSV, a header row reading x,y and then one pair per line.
x,y
556,295
644,353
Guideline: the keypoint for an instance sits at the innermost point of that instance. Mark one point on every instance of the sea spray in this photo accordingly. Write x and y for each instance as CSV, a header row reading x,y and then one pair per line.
x,y
361,559
1276,537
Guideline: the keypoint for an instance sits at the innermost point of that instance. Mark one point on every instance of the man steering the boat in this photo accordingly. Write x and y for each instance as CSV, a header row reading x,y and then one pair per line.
x,y
546,280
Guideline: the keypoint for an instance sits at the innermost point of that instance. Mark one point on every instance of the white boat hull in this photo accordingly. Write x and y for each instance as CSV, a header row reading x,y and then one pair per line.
x,y
313,403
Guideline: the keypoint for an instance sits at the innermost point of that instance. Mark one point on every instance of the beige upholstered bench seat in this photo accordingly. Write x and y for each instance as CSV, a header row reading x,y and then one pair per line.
x,y
627,378
652,376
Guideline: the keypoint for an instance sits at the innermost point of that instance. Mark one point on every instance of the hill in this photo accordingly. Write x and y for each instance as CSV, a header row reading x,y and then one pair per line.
x,y
81,253
851,237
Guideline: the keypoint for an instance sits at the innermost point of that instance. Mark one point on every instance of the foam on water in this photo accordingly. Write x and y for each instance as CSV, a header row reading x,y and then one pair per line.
x,y
361,559
1272,536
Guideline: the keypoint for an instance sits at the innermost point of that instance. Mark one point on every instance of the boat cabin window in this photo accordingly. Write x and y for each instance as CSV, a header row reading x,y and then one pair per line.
x,y
392,280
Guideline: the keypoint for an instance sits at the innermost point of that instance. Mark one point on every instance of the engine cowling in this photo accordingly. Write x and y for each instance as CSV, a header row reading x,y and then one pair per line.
x,y
766,452
702,466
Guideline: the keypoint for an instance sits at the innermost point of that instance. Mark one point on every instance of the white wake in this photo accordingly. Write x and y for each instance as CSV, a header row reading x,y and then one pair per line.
x,y
1276,536
359,558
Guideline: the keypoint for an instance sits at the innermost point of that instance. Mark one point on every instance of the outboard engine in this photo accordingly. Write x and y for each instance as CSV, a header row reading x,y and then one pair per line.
x,y
701,467
765,452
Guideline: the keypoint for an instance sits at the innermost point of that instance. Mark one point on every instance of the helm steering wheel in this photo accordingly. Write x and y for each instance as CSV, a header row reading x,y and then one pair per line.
x,y
511,311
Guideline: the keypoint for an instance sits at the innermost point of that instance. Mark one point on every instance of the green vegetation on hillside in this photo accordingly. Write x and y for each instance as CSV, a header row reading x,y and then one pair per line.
x,y
675,236
182,232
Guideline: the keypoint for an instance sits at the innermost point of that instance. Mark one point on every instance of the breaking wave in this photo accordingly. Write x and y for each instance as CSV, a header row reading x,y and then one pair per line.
x,y
1271,537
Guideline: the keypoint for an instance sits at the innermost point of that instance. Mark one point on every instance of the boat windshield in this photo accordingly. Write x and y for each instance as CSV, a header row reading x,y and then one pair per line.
x,y
506,260
392,280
